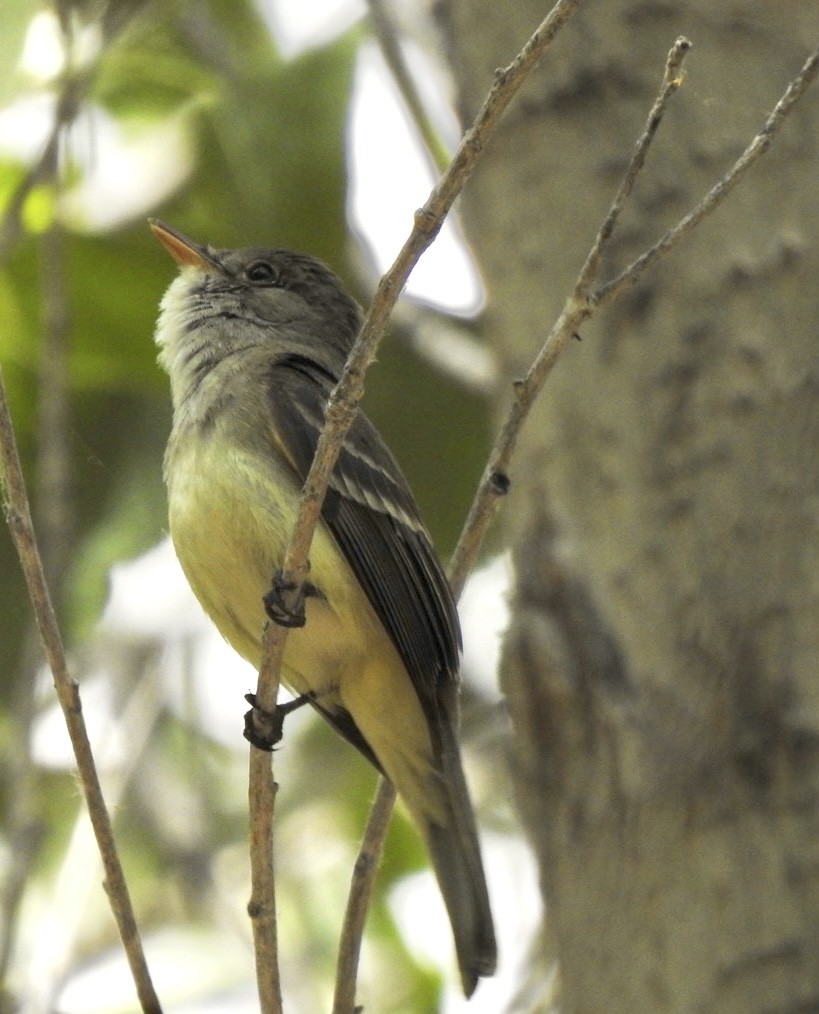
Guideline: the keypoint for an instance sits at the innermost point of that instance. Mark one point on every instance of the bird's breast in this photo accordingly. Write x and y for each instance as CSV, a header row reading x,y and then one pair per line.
x,y
231,510
229,517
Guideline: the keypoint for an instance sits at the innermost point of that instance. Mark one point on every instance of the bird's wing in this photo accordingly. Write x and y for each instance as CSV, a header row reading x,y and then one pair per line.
x,y
372,515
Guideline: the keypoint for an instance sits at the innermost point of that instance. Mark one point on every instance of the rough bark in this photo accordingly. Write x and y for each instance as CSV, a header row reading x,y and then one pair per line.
x,y
663,664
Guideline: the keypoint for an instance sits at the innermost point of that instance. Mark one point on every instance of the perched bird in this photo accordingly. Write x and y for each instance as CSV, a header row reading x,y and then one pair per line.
x,y
254,341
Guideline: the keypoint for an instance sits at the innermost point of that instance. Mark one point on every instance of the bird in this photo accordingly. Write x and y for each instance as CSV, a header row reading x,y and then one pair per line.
x,y
254,341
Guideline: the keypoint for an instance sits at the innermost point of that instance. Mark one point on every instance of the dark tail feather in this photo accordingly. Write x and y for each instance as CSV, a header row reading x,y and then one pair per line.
x,y
456,859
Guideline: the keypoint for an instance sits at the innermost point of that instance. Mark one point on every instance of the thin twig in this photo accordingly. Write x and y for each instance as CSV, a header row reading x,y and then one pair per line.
x,y
53,524
758,146
358,902
72,91
18,517
341,409
386,32
69,103
495,480
17,761
262,790
77,877
672,79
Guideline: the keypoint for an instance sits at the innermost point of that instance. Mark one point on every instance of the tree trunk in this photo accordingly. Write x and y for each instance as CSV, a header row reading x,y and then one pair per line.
x,y
662,664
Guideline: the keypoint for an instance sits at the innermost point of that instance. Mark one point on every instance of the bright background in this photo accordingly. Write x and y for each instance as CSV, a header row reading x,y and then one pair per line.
x,y
240,123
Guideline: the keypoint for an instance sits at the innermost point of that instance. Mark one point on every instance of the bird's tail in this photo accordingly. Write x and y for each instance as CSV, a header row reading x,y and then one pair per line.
x,y
452,840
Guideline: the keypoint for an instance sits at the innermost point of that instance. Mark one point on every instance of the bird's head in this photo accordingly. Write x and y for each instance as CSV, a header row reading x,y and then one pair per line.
x,y
254,295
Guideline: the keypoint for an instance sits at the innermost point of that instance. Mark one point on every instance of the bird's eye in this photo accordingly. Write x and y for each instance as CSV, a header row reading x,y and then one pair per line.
x,y
262,272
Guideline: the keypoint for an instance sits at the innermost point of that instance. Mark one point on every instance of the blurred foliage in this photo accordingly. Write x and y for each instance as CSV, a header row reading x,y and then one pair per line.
x,y
268,166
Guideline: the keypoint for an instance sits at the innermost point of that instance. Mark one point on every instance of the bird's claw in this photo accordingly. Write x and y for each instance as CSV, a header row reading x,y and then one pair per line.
x,y
280,611
264,729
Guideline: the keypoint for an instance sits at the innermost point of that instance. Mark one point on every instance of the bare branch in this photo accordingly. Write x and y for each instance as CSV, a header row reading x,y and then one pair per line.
x,y
262,905
72,91
262,790
18,517
358,902
495,480
341,409
343,403
672,79
51,483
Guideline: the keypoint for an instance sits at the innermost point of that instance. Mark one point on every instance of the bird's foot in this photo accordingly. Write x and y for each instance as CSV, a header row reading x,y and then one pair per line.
x,y
281,611
264,729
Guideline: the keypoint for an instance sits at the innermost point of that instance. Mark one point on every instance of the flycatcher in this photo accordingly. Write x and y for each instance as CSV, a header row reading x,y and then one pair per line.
x,y
254,341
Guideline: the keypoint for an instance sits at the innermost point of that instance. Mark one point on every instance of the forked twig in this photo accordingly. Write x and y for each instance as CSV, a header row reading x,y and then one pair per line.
x,y
758,146
495,480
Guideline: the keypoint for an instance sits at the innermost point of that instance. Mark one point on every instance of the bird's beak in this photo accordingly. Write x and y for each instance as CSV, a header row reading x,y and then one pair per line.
x,y
183,250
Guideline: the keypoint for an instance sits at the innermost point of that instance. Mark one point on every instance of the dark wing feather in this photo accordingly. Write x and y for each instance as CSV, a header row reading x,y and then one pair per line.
x,y
371,513
342,722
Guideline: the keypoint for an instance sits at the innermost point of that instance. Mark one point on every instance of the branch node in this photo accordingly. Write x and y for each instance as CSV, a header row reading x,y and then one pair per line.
x,y
263,729
427,222
17,523
473,142
500,483
365,861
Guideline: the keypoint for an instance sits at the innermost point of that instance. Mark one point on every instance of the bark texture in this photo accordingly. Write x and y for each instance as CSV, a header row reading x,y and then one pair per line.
x,y
663,664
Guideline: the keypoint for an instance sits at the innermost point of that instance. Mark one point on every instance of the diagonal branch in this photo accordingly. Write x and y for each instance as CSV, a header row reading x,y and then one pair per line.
x,y
343,403
577,308
18,517
365,870
341,410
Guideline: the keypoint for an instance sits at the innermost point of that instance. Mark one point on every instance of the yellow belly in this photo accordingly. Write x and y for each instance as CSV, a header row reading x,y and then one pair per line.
x,y
230,517
229,523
